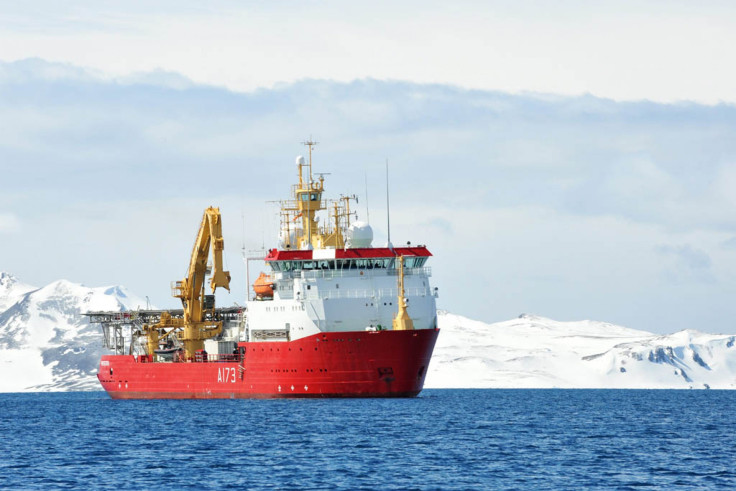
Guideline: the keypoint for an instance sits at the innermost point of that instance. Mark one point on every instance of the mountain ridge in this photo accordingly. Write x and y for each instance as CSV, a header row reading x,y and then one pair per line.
x,y
535,352
46,344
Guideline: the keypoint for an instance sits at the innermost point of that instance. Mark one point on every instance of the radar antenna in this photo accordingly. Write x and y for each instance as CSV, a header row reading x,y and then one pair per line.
x,y
388,212
310,143
367,213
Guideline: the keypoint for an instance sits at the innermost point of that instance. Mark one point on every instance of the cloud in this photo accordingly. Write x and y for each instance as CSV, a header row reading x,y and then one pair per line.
x,y
8,223
691,264
557,205
729,243
36,69
691,258
524,46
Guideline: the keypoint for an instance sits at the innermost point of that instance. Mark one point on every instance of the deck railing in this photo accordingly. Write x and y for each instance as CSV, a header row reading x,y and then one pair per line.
x,y
198,358
315,294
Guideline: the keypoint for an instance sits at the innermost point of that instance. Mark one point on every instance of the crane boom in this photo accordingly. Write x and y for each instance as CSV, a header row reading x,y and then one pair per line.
x,y
191,289
194,328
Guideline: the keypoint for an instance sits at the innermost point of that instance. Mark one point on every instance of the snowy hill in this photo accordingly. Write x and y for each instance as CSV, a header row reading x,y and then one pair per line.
x,y
44,342
534,352
11,290
46,345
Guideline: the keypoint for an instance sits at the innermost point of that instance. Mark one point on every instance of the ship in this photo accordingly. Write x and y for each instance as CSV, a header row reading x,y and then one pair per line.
x,y
333,316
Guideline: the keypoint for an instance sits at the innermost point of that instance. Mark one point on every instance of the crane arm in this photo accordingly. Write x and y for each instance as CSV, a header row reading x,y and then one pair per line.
x,y
191,290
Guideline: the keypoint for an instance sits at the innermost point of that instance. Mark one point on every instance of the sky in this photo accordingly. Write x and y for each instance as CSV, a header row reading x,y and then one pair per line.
x,y
569,159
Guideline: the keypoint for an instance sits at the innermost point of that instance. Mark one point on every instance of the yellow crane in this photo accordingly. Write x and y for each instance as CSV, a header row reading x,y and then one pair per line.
x,y
194,328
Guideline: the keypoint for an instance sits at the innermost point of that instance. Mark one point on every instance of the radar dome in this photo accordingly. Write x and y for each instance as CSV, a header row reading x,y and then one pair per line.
x,y
287,238
300,160
360,234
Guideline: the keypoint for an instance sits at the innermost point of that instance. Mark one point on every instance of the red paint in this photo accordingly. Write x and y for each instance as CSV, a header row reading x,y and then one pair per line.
x,y
370,252
335,364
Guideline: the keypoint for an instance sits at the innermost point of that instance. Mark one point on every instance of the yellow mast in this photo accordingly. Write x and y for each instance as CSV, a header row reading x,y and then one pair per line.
x,y
309,201
300,213
402,321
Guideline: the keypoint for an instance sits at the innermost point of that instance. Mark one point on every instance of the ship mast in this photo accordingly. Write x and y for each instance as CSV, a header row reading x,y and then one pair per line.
x,y
306,195
402,321
299,214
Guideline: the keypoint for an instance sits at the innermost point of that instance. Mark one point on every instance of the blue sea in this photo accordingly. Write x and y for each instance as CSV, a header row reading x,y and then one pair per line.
x,y
443,439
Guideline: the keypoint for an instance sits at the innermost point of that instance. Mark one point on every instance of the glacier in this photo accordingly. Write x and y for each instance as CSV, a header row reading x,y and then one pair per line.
x,y
536,352
47,345
45,342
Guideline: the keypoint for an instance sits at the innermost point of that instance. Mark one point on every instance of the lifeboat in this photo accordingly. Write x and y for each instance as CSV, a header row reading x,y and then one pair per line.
x,y
263,286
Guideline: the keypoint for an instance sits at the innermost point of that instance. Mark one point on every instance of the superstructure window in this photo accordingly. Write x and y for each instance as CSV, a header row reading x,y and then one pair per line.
x,y
368,263
382,263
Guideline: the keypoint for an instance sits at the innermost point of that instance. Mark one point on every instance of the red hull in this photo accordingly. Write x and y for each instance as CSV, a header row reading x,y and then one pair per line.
x,y
346,364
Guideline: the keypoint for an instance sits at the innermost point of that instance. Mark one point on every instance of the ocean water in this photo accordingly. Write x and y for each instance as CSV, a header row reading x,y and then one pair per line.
x,y
443,439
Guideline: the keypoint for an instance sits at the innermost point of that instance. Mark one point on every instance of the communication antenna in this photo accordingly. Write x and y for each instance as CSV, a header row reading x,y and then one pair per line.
x,y
388,212
309,215
310,143
242,219
367,215
264,219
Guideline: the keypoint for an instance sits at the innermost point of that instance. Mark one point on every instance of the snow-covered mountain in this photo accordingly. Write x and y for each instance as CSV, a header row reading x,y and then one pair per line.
x,y
45,344
535,352
11,290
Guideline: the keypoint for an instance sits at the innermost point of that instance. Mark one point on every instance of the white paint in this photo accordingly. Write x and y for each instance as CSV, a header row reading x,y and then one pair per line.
x,y
339,301
323,254
226,375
